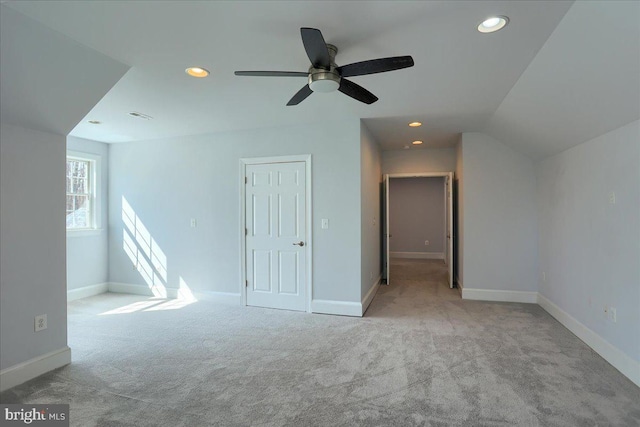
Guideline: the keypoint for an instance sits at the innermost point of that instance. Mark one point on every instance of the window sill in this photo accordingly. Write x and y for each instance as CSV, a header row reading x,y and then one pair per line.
x,y
85,233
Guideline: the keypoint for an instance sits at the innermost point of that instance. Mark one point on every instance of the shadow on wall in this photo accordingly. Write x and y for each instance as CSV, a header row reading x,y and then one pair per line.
x,y
150,261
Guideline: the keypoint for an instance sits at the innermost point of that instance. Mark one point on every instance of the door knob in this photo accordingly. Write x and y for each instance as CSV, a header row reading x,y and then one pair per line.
x,y
301,243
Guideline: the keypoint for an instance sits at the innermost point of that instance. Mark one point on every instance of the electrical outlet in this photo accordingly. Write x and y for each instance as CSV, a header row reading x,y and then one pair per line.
x,y
544,276
40,322
193,223
612,198
613,315
426,243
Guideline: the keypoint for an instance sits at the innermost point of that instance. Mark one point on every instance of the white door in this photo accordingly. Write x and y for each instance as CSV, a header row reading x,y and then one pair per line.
x,y
449,231
275,203
387,244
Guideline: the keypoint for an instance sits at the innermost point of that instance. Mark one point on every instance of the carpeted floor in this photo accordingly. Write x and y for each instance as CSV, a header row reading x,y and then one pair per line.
x,y
421,356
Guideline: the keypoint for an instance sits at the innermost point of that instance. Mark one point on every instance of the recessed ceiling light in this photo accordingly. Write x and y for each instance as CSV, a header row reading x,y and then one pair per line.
x,y
95,122
417,142
415,124
197,72
493,23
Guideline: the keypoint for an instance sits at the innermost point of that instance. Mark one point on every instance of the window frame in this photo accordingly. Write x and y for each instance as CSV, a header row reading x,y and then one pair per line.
x,y
95,188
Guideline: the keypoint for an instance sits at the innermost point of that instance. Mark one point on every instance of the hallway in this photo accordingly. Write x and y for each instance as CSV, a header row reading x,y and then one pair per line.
x,y
422,278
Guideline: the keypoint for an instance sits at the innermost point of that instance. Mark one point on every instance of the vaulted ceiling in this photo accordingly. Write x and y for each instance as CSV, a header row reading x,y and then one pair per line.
x,y
559,74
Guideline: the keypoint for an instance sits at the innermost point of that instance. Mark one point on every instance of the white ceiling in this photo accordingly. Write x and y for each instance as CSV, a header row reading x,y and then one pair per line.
x,y
38,85
462,80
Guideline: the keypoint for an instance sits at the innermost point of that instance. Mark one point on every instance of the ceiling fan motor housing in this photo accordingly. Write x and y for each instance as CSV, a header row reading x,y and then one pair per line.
x,y
321,80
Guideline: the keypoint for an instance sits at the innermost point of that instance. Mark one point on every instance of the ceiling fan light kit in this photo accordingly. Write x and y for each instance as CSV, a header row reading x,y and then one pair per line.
x,y
324,82
325,76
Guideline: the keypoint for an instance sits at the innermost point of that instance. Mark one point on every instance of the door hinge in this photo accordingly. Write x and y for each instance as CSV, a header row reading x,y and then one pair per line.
x,y
246,180
246,232
246,283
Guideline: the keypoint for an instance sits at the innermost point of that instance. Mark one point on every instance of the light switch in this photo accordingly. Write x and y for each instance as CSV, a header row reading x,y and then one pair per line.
x,y
325,224
193,223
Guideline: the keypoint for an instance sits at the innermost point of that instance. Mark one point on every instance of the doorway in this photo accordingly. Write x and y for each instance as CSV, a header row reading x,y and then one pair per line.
x,y
276,232
445,251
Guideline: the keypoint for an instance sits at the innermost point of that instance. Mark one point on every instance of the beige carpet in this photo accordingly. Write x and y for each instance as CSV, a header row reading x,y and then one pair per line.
x,y
420,357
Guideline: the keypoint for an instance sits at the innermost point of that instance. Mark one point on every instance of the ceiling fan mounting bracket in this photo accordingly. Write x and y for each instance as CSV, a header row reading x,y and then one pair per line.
x,y
333,51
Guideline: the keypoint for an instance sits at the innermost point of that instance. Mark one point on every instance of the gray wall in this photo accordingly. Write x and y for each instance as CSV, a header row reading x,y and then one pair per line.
x,y
169,181
500,221
32,243
49,83
370,187
87,253
588,247
416,214
419,160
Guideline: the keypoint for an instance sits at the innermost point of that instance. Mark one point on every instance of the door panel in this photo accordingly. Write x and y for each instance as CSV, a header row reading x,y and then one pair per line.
x,y
276,235
288,269
261,271
261,215
287,215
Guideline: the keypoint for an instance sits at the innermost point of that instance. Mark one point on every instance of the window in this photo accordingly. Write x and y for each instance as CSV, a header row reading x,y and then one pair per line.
x,y
82,210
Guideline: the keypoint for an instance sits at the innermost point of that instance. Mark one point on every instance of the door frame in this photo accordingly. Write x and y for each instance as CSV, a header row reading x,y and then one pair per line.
x,y
448,214
306,158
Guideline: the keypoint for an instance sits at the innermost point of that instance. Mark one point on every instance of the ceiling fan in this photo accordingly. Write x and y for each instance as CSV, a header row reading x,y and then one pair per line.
x,y
325,76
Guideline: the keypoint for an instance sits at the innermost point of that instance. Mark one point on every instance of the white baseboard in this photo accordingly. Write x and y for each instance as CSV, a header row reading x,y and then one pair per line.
x,y
417,255
341,308
623,363
499,296
87,291
371,294
144,290
25,371
221,297
128,288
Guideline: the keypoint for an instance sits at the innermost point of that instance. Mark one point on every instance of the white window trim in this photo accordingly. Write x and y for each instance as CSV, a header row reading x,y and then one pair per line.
x,y
96,192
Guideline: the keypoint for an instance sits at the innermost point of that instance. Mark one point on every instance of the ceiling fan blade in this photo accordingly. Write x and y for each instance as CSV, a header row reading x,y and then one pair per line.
x,y
355,91
374,66
272,73
316,47
300,96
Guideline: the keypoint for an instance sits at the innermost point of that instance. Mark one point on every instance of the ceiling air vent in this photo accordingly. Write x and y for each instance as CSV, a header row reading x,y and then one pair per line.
x,y
140,115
